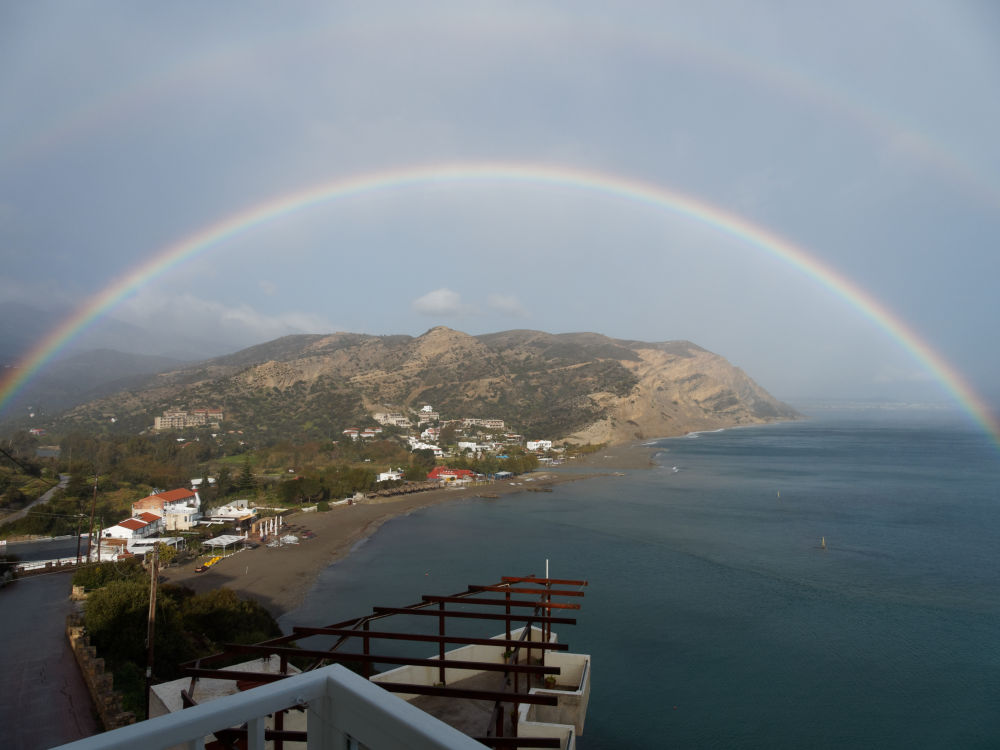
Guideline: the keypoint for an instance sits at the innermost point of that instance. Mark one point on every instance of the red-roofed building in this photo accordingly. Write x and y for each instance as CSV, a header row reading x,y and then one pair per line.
x,y
155,524
443,474
130,528
179,509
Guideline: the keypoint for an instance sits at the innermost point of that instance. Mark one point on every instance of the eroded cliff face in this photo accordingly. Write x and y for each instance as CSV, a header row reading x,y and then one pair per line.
x,y
681,391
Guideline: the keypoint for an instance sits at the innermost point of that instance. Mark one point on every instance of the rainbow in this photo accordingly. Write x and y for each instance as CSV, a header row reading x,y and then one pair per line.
x,y
654,195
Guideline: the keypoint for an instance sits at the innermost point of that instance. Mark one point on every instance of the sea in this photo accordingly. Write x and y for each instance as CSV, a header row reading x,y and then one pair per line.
x,y
714,615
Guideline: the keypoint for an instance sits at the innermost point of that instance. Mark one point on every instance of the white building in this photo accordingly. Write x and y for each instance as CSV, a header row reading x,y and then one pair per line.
x,y
180,509
538,445
236,512
416,445
427,415
489,424
134,528
393,418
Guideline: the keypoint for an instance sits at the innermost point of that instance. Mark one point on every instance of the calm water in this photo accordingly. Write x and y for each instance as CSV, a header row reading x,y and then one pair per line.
x,y
714,617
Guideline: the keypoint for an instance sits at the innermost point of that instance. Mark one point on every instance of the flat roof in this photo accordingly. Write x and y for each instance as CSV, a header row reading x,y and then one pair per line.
x,y
224,540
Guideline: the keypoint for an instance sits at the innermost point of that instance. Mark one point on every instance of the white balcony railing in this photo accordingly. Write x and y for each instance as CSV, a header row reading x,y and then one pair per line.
x,y
343,710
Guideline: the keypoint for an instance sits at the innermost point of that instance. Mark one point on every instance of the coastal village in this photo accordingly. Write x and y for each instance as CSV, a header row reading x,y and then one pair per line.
x,y
179,519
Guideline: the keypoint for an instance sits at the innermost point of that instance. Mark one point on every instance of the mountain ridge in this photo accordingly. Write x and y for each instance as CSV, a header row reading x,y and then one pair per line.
x,y
582,387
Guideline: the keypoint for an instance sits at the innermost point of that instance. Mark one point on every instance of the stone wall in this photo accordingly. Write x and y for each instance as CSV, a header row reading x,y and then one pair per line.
x,y
100,683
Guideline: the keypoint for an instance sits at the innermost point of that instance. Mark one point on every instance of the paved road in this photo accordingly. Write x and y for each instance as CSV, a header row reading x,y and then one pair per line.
x,y
44,498
44,699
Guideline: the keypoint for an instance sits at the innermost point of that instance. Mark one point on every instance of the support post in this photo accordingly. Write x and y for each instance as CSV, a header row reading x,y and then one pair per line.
x,y
441,644
366,648
154,575
320,729
79,517
93,511
255,732
507,610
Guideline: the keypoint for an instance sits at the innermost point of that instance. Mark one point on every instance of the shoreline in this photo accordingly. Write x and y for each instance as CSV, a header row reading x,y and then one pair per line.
x,y
279,578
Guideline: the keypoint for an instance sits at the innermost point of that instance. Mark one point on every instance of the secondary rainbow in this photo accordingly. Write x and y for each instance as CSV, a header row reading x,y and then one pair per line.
x,y
654,195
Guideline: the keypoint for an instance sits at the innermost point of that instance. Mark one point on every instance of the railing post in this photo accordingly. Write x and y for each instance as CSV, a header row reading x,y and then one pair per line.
x,y
367,650
255,732
320,729
441,643
507,610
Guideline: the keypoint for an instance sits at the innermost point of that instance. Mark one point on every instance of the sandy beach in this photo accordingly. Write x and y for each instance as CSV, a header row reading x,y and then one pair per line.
x,y
280,577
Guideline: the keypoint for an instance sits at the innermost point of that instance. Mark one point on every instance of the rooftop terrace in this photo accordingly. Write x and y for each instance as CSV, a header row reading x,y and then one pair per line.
x,y
521,688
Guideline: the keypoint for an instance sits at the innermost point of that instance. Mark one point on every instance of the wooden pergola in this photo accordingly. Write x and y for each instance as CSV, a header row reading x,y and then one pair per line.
x,y
515,601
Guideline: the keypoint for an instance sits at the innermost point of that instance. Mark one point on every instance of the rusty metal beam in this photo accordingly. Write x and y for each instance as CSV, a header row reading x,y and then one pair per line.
x,y
497,602
240,648
511,589
226,674
476,695
475,615
457,639
233,735
543,581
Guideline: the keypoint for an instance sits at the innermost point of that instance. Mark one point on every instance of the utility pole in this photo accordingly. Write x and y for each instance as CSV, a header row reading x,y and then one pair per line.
x,y
154,575
79,517
93,510
100,531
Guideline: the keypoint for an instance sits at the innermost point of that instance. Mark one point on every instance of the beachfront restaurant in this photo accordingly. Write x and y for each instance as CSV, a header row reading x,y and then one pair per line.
x,y
235,514
224,542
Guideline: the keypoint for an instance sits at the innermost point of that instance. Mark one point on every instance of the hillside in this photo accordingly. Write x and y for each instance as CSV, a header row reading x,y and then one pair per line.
x,y
581,386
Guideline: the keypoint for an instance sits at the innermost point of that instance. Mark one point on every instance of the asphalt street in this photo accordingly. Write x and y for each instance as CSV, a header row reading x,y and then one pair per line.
x,y
44,699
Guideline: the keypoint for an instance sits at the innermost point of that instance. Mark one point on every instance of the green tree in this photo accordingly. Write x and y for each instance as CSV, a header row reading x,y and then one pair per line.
x,y
116,617
224,482
100,574
166,553
246,482
416,472
221,616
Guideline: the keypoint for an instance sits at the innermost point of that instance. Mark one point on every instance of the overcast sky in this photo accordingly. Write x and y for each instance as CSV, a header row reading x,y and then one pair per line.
x,y
865,133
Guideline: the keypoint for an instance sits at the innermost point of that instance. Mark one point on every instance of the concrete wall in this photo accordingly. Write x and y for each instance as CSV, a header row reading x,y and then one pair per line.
x,y
100,683
572,690
562,732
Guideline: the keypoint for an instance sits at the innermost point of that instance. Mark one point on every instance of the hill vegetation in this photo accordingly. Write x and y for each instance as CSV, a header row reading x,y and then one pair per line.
x,y
584,387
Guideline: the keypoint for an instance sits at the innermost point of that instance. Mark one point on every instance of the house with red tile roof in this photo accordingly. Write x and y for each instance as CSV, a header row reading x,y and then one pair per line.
x,y
180,509
130,528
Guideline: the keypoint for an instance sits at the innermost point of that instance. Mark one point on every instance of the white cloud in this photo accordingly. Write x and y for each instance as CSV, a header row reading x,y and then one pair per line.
x,y
267,287
507,304
442,302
